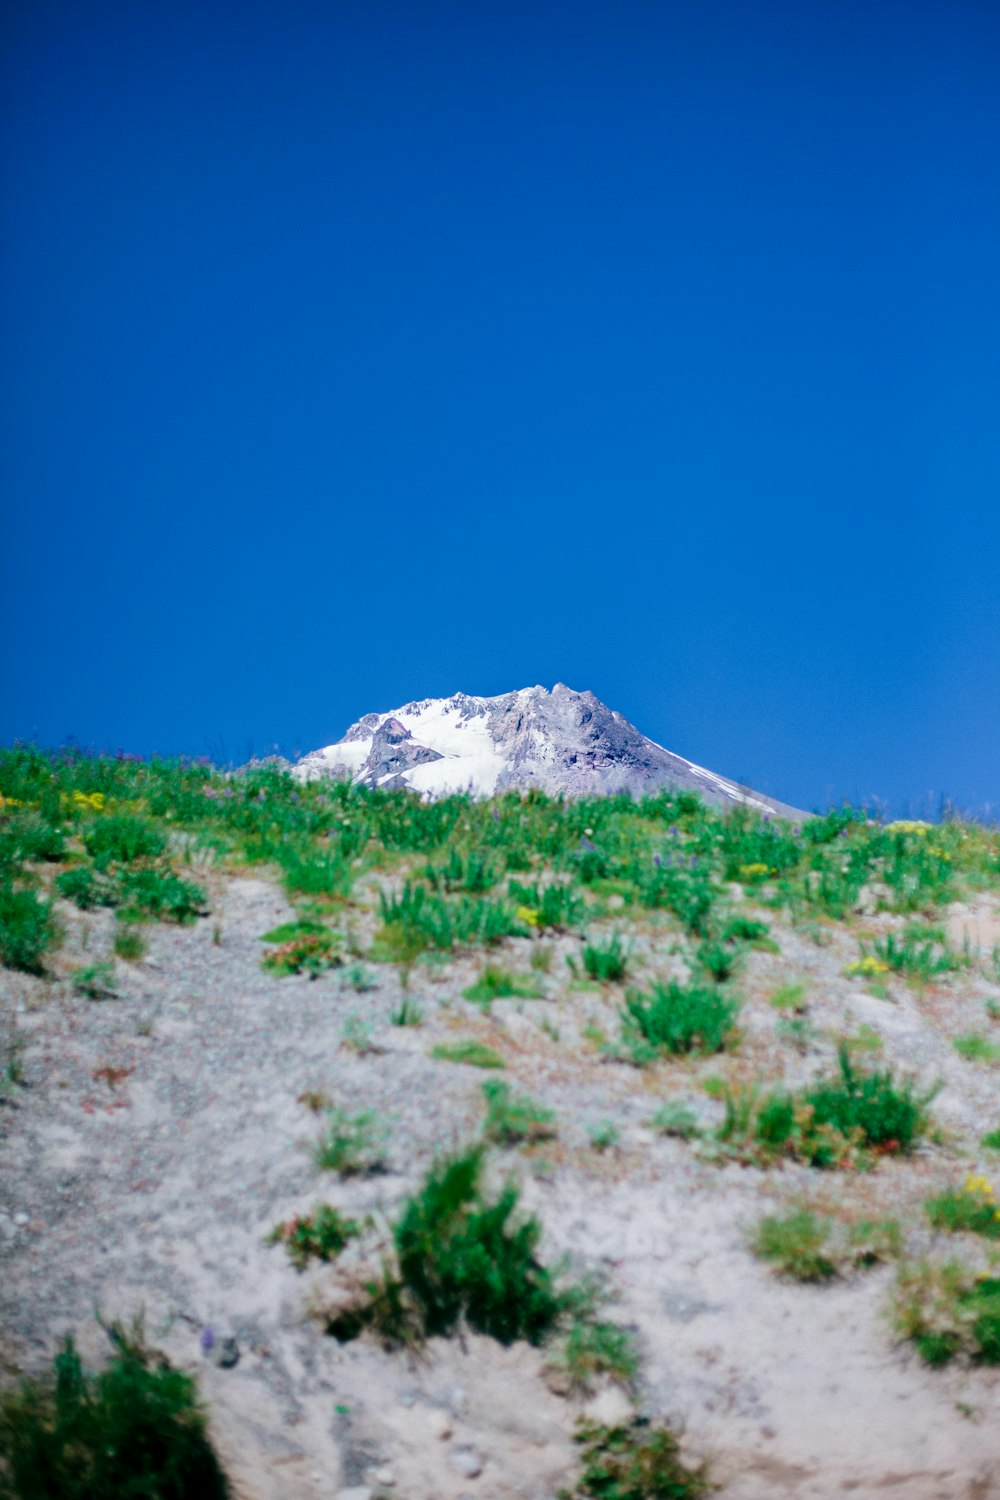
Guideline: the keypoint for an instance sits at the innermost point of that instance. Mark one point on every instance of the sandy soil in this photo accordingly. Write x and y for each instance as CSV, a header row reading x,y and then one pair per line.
x,y
153,1187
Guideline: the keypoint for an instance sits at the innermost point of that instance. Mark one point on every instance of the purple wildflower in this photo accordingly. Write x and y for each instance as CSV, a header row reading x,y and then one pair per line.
x,y
694,861
585,843
657,860
207,1340
672,830
496,815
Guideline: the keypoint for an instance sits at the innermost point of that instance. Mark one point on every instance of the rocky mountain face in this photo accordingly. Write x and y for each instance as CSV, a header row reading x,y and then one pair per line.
x,y
559,741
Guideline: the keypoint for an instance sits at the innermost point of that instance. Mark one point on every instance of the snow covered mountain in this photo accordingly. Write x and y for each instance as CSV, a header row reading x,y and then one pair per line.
x,y
559,741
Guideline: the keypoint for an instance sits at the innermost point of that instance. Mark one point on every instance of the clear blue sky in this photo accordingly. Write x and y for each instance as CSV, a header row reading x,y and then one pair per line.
x,y
358,352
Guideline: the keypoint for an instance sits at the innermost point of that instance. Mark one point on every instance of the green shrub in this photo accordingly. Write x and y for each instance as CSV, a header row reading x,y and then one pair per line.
x,y
121,839
720,960
513,1118
634,1462
88,888
991,1140
461,1256
836,1122
673,1019
96,981
28,838
161,894
606,962
27,929
407,1013
321,1235
475,1054
422,920
134,1430
351,1144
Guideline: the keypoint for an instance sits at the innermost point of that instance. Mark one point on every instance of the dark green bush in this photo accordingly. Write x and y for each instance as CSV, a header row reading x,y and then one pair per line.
x,y
27,929
87,887
162,894
634,1462
459,1255
133,1432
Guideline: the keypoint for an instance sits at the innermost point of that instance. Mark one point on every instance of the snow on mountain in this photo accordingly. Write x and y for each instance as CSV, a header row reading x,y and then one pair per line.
x,y
559,741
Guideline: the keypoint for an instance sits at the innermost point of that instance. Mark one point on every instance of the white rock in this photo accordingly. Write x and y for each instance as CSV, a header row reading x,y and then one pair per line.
x,y
440,1424
356,1492
466,1461
611,1408
385,1476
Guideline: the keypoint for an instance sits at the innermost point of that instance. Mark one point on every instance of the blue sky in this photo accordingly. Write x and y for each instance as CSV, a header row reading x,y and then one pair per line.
x,y
359,352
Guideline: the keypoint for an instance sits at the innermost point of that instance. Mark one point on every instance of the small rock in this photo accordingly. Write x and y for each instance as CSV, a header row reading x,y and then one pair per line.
x,y
440,1424
226,1352
385,1476
356,1492
611,1408
466,1461
20,1220
558,1381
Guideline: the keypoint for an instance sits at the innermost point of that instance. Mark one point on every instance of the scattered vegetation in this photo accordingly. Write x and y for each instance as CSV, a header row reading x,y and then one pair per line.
x,y
807,1247
972,1209
949,1309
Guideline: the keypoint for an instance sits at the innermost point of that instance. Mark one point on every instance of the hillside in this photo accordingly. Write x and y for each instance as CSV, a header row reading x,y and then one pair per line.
x,y
742,1071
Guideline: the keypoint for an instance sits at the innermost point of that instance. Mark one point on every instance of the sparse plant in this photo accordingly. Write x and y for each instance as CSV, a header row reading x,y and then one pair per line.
x,y
975,1047
358,1035
596,1350
677,1119
320,1235
407,1013
351,1144
496,983
129,943
96,981
807,1247
606,962
971,1210
159,893
634,1462
360,978
122,839
604,1135
789,997
514,1118
474,1054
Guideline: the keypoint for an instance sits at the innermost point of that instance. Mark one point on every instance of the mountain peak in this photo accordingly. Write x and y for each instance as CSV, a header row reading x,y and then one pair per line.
x,y
561,741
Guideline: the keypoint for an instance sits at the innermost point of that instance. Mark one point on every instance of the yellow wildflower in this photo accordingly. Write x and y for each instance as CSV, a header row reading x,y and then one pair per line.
x,y
908,825
978,1186
93,800
869,965
528,914
754,871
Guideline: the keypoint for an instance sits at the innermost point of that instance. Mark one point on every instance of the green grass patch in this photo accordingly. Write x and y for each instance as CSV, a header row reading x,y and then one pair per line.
x,y
512,1119
975,1047
320,1235
351,1144
496,983
639,1461
474,1054
673,1019
28,929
